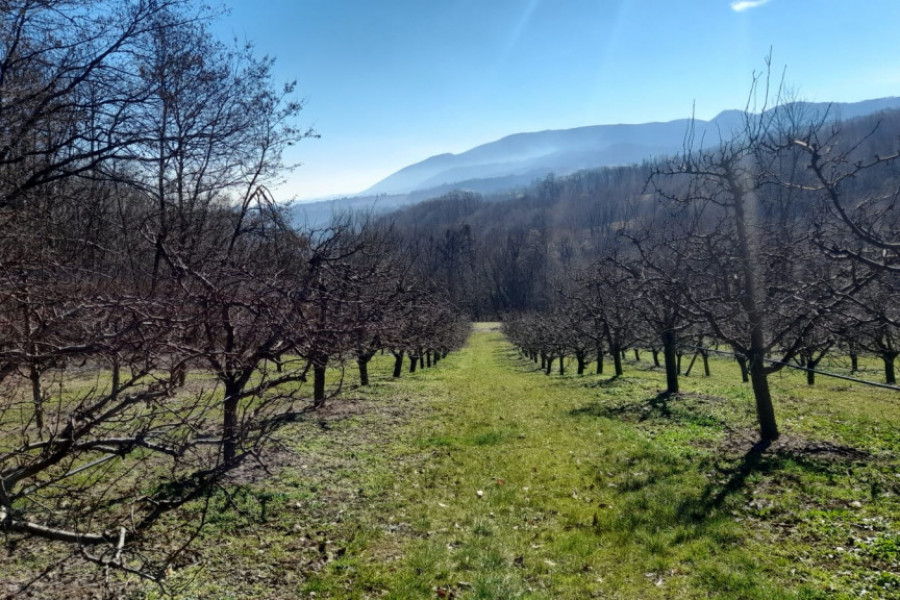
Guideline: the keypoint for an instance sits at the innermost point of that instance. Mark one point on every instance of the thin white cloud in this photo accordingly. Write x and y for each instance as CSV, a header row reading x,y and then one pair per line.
x,y
742,5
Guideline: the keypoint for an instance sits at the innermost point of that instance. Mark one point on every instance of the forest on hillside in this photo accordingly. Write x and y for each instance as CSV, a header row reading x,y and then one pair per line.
x,y
503,252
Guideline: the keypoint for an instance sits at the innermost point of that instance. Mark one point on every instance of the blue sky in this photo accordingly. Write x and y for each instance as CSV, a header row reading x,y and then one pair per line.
x,y
391,82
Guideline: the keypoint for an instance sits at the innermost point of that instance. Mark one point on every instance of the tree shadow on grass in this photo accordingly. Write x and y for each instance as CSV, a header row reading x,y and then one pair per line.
x,y
608,382
660,499
683,409
629,410
788,459
714,494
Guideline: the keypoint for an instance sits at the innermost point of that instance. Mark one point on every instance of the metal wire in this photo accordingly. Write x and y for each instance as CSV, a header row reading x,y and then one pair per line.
x,y
798,368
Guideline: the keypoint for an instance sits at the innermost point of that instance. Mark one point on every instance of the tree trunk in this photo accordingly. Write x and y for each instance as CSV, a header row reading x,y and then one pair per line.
x,y
890,376
117,376
319,381
810,374
749,299
230,439
668,340
599,362
37,396
579,357
363,363
765,411
691,366
549,365
854,362
177,377
655,353
428,359
398,364
617,361
705,355
742,361
562,364
413,363
637,355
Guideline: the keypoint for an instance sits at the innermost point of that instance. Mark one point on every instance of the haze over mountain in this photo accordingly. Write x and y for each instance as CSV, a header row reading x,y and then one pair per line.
x,y
568,150
520,158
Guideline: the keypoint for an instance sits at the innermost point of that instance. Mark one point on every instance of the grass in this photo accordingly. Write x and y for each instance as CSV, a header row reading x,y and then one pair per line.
x,y
483,478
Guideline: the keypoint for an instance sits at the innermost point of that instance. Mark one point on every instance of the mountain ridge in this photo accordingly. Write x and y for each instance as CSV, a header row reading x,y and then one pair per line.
x,y
508,164
522,152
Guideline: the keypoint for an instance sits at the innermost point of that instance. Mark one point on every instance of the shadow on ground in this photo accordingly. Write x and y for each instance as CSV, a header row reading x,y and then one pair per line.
x,y
677,408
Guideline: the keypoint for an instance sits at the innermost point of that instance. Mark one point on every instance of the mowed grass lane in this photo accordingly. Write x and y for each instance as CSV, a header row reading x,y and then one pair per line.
x,y
483,478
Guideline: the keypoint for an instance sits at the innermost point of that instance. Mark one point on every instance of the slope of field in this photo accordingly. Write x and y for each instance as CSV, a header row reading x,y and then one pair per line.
x,y
484,478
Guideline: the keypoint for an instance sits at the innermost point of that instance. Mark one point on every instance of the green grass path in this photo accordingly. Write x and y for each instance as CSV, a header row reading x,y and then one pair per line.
x,y
529,494
483,478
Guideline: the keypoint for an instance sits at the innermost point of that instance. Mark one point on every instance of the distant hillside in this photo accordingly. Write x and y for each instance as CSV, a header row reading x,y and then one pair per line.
x,y
568,150
519,159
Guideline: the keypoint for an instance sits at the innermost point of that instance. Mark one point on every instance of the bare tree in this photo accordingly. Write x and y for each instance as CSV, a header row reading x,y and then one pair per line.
x,y
854,170
138,242
757,281
871,322
657,263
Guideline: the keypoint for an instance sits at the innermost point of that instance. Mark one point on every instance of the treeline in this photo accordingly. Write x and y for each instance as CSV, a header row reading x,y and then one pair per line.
x,y
158,316
779,245
500,253
496,254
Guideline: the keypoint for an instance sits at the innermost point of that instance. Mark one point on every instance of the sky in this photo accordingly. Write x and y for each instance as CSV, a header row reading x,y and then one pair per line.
x,y
387,83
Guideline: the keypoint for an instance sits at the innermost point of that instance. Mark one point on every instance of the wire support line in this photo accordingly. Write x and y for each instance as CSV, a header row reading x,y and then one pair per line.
x,y
772,361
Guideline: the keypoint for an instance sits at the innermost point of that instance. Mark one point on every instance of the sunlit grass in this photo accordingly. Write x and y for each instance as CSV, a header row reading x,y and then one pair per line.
x,y
484,478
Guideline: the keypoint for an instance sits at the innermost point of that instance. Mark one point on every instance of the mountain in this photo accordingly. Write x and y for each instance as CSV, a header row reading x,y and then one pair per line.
x,y
519,159
533,155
